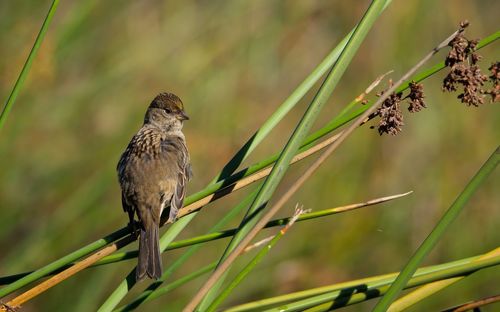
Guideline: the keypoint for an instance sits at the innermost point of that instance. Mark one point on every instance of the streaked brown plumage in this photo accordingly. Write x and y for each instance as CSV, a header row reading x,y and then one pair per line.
x,y
153,172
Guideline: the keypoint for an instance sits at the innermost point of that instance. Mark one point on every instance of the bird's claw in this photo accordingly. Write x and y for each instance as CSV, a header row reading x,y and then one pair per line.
x,y
172,216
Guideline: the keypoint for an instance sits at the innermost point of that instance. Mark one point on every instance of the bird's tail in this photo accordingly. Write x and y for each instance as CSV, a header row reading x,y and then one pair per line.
x,y
149,254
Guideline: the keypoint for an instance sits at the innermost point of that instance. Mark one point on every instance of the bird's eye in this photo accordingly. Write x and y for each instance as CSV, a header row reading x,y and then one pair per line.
x,y
168,110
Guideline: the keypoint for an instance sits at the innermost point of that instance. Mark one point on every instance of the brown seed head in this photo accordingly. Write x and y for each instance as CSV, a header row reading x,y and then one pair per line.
x,y
391,117
416,97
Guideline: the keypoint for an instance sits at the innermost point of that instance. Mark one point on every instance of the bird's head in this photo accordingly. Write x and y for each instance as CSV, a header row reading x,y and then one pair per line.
x,y
166,111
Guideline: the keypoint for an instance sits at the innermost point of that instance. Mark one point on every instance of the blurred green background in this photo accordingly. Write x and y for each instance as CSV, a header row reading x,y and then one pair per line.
x,y
233,63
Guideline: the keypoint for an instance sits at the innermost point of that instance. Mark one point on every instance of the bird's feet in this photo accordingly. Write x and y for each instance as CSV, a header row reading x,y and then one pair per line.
x,y
172,216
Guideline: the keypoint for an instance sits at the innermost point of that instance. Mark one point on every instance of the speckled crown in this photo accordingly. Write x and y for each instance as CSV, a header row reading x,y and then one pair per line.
x,y
167,101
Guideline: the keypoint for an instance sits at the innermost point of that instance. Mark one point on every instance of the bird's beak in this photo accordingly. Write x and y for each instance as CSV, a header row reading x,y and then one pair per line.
x,y
183,116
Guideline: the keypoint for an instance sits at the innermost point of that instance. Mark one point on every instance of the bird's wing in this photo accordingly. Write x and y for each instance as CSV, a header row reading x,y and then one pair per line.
x,y
175,150
120,168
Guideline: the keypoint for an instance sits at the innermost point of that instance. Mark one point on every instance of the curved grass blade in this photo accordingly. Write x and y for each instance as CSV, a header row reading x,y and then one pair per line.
x,y
27,65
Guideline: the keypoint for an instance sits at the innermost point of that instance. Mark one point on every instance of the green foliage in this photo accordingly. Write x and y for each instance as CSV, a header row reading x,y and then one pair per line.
x,y
70,124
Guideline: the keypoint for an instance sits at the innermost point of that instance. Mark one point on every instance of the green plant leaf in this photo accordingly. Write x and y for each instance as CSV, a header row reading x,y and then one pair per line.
x,y
438,231
27,65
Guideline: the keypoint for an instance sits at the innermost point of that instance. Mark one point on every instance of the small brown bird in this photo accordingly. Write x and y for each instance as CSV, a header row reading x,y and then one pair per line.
x,y
153,172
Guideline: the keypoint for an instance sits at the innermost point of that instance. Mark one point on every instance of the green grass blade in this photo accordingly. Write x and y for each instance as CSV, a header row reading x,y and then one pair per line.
x,y
413,282
438,231
421,293
63,261
362,292
299,134
120,233
27,65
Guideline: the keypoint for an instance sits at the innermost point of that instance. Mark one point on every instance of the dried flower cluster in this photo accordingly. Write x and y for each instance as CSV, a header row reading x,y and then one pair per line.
x,y
464,73
461,47
494,92
391,116
464,70
416,97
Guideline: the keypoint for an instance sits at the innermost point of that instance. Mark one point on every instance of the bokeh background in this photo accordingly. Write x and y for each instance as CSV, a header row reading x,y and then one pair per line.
x,y
233,63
